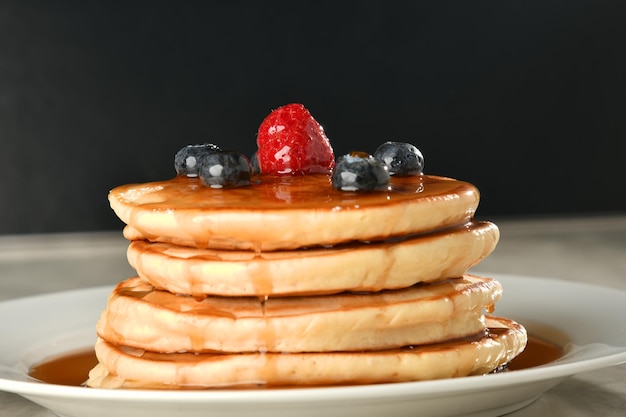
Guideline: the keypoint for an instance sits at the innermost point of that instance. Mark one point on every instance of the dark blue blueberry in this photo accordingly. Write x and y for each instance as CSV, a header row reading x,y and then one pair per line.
x,y
187,158
224,169
254,163
400,158
359,171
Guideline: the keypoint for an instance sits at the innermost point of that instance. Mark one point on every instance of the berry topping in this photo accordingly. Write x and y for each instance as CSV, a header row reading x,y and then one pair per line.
x,y
359,171
291,141
187,158
224,169
254,163
215,167
400,158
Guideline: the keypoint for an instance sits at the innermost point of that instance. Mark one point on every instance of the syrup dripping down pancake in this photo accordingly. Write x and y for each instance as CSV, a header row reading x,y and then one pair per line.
x,y
288,212
350,267
141,317
122,367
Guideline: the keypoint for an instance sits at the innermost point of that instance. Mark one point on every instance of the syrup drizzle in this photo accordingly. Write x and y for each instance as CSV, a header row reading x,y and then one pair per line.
x,y
201,214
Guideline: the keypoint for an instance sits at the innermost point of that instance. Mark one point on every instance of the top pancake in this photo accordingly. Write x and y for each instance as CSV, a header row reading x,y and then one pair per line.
x,y
288,212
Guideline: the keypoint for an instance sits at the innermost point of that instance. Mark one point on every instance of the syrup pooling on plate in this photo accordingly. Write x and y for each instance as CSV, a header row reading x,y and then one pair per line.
x,y
55,370
538,352
71,368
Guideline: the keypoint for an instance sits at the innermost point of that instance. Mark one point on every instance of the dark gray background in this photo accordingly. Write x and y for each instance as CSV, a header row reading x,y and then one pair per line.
x,y
526,99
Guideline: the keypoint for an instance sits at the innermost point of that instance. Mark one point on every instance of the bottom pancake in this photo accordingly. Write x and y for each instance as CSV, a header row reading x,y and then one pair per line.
x,y
123,367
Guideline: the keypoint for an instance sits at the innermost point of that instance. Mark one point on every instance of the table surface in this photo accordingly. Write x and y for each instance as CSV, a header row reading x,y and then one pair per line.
x,y
583,249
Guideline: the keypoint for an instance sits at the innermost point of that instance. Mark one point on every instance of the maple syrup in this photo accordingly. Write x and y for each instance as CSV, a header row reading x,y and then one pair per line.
x,y
538,352
73,367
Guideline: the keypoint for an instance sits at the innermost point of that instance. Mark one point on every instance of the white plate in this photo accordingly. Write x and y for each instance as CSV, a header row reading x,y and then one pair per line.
x,y
589,317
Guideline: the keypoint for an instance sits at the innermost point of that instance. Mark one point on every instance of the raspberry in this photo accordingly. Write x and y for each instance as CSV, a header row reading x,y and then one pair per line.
x,y
291,141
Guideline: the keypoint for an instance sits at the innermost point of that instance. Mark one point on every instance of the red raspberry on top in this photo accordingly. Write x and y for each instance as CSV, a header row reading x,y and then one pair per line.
x,y
291,141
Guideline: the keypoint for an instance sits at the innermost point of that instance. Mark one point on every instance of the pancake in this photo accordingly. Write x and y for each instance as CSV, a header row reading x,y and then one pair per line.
x,y
123,367
141,317
351,267
288,212
288,281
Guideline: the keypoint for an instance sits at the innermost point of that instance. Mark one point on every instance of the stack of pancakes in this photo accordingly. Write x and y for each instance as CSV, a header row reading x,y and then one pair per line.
x,y
289,282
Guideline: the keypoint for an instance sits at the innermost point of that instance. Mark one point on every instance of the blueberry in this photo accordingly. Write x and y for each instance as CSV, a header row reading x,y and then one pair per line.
x,y
400,158
254,163
224,169
187,158
359,171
